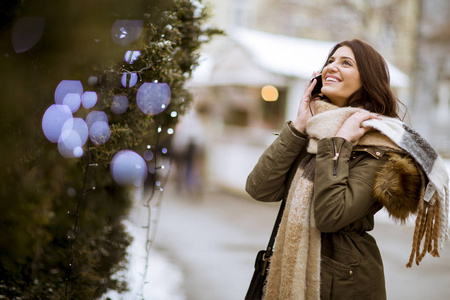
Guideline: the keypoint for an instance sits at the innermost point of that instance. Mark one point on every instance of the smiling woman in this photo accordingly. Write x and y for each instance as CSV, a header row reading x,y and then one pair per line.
x,y
344,157
340,76
359,62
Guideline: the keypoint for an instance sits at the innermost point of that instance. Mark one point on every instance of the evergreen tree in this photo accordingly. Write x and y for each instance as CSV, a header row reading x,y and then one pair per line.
x,y
60,237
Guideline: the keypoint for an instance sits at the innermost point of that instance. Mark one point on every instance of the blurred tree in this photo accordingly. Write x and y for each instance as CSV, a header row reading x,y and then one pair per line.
x,y
42,194
430,88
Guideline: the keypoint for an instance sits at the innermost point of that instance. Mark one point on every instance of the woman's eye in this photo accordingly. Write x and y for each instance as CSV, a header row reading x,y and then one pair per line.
x,y
346,63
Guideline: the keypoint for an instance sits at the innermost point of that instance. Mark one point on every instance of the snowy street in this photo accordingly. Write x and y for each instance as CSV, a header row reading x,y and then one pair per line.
x,y
213,241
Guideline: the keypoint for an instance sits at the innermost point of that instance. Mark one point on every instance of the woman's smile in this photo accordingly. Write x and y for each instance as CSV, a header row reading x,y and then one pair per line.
x,y
341,76
331,79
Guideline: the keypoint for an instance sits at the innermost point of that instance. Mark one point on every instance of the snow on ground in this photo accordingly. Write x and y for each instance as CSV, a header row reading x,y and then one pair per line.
x,y
164,279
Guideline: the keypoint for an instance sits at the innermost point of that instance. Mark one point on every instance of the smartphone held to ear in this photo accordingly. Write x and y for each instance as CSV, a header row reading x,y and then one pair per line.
x,y
318,86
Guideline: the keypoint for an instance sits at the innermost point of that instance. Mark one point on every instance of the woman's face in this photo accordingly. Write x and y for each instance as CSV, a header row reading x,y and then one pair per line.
x,y
341,76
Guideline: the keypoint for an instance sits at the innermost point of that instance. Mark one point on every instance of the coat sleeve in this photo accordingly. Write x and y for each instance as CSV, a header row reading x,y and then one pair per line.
x,y
342,195
267,180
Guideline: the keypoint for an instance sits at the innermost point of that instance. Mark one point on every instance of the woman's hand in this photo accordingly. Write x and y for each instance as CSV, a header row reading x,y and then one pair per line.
x,y
352,128
304,112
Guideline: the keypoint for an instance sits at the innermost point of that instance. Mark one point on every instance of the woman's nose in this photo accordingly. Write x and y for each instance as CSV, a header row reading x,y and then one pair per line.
x,y
331,67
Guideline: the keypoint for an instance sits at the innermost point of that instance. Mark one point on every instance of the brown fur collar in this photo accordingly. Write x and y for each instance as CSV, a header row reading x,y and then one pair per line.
x,y
398,185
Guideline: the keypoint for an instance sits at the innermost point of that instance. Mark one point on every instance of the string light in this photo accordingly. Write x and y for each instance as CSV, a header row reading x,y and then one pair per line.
x,y
73,236
155,205
269,93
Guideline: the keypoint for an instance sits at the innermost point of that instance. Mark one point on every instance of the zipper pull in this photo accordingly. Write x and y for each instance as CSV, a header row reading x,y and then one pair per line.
x,y
336,156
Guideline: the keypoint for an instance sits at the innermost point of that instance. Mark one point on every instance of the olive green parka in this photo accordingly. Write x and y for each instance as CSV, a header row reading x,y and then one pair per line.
x,y
344,207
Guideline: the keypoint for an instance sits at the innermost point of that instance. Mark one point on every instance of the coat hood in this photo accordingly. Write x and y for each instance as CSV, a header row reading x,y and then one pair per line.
x,y
398,186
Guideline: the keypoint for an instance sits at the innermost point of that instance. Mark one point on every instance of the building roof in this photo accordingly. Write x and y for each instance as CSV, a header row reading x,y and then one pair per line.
x,y
280,55
293,56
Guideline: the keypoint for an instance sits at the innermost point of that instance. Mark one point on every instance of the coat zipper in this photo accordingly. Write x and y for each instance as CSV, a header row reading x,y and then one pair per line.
x,y
336,157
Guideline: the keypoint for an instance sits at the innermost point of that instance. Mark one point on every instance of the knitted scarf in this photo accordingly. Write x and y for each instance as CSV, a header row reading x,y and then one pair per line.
x,y
295,264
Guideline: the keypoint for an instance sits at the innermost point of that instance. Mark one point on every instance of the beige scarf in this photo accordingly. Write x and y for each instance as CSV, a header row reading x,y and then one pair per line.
x,y
295,264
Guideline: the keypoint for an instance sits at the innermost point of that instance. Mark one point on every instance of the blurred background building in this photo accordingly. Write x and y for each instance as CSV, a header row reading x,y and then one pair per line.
x,y
249,81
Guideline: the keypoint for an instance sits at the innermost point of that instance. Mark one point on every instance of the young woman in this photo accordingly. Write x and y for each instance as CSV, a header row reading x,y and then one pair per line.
x,y
335,171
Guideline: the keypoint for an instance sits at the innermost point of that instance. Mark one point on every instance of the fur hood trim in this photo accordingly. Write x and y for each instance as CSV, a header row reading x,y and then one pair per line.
x,y
398,185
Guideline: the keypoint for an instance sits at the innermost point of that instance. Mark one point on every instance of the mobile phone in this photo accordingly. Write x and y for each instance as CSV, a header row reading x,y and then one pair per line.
x,y
318,87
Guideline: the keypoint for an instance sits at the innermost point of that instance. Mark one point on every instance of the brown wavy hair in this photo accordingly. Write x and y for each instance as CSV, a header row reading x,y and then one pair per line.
x,y
375,94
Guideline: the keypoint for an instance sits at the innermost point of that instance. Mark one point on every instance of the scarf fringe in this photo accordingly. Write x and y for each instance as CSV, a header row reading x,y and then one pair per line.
x,y
427,225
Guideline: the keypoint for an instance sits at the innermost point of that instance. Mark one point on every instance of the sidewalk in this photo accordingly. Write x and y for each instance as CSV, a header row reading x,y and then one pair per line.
x,y
214,240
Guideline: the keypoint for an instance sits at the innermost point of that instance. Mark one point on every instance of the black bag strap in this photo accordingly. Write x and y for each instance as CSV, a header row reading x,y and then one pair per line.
x,y
275,226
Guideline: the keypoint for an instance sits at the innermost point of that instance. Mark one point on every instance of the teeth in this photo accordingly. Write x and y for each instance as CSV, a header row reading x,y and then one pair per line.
x,y
332,79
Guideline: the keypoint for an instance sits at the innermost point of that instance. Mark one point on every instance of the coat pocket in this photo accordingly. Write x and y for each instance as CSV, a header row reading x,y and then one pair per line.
x,y
337,279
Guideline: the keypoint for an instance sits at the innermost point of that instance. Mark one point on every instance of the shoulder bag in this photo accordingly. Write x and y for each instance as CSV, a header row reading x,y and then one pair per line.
x,y
255,290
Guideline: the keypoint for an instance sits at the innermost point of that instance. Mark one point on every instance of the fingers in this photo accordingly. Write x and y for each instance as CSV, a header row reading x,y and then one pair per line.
x,y
353,127
361,117
305,111
310,86
310,82
372,116
364,116
315,73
